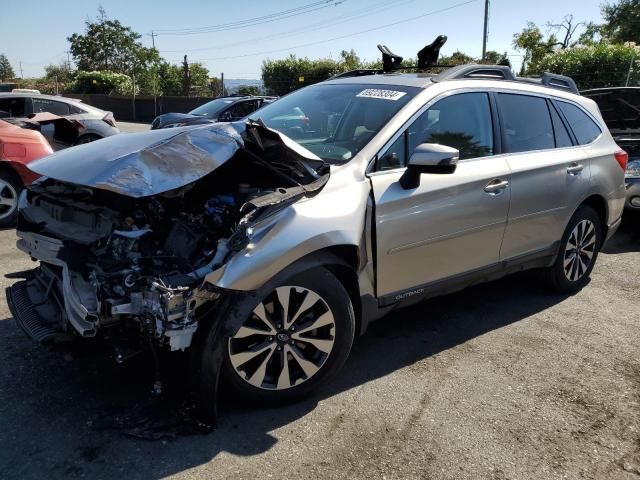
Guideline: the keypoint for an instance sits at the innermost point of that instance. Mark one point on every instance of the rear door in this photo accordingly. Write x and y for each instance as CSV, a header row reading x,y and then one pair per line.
x,y
451,224
548,171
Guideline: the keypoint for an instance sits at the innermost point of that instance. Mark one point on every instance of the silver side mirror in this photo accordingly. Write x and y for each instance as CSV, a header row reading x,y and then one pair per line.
x,y
429,158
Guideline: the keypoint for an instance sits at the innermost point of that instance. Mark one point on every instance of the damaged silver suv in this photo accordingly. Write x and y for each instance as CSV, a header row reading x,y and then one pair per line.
x,y
265,246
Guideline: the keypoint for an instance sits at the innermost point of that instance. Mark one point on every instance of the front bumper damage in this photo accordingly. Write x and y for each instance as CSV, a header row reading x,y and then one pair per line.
x,y
125,247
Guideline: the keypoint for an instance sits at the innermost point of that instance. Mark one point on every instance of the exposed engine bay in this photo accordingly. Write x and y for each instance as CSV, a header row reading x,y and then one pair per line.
x,y
115,261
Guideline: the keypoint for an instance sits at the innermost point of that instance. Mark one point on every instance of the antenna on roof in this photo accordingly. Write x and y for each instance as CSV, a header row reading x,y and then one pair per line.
x,y
428,56
390,61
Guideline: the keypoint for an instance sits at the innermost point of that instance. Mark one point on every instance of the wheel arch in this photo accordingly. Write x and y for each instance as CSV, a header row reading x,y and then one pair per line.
x,y
599,204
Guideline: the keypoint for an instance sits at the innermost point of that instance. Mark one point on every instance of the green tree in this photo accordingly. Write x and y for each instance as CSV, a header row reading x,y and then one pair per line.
x,y
110,46
60,73
598,65
531,41
283,76
103,82
199,75
6,72
622,21
248,90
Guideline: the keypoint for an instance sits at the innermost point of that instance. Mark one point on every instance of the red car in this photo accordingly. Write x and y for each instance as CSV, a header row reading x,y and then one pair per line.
x,y
18,147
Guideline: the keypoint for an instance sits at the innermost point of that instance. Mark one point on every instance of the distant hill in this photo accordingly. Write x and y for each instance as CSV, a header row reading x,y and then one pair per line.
x,y
233,84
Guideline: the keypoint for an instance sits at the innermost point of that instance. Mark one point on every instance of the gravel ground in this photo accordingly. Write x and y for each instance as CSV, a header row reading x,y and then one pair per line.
x,y
502,381
133,127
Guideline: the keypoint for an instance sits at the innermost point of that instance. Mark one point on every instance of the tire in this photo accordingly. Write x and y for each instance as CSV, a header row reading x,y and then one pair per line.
x,y
88,138
10,188
296,358
578,252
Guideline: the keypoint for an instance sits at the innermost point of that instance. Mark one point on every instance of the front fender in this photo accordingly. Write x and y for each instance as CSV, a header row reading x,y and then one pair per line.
x,y
333,217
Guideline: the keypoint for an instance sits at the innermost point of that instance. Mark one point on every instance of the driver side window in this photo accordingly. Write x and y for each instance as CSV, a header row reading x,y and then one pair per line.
x,y
461,121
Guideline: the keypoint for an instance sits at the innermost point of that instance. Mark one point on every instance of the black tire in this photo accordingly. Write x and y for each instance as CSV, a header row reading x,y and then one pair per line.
x,y
88,138
324,284
573,277
10,186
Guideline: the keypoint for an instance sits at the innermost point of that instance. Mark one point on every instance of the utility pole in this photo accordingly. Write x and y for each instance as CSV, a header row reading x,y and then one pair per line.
x,y
222,84
68,61
155,79
486,29
21,76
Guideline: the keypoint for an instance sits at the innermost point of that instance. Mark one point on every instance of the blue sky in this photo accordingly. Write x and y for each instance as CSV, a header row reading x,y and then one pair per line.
x,y
39,37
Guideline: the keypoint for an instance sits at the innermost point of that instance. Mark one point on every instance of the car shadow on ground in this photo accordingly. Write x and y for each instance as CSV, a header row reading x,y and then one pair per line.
x,y
77,414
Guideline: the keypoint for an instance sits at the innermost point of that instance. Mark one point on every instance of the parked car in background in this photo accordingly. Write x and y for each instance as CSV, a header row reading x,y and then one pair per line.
x,y
18,147
223,109
266,255
620,107
94,123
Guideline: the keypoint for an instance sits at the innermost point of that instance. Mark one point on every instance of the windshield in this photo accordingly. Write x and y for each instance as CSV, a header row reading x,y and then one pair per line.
x,y
335,121
213,108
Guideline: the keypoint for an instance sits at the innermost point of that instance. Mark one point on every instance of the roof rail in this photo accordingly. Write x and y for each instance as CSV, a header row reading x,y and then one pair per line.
x,y
495,72
501,72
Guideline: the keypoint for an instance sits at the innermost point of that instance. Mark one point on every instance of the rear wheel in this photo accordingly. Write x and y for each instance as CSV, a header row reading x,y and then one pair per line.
x,y
296,338
578,252
10,186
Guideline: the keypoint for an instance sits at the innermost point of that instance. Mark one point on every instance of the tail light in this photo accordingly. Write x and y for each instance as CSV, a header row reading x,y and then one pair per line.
x,y
622,158
110,120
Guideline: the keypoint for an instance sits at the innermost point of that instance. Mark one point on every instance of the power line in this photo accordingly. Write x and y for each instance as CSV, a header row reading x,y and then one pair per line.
x,y
370,10
417,17
292,12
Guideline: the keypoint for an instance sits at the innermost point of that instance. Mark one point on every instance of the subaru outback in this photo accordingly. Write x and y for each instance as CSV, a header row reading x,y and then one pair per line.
x,y
264,252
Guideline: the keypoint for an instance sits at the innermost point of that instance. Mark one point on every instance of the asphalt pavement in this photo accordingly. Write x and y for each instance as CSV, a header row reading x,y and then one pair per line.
x,y
501,381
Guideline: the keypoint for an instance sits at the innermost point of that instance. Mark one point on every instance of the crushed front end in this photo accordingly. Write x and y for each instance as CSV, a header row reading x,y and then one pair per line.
x,y
125,253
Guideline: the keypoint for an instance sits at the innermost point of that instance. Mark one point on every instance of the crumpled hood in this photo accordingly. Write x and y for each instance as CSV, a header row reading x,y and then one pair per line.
x,y
145,163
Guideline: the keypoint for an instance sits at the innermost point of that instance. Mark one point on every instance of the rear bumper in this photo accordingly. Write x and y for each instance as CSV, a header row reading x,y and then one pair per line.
x,y
632,193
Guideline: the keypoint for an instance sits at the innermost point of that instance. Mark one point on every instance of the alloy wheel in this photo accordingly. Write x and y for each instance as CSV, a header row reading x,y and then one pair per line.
x,y
285,341
8,199
579,251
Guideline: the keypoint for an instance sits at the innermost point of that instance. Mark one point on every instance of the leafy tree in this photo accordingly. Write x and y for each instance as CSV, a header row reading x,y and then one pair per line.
x,y
532,42
108,45
283,76
622,21
199,77
248,90
6,72
349,60
60,73
495,58
594,66
103,82
215,88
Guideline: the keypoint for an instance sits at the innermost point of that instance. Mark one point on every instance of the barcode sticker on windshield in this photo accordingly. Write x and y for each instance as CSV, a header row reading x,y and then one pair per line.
x,y
383,94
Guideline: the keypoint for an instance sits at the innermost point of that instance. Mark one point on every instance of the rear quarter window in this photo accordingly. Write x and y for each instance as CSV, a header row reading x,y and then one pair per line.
x,y
526,123
584,128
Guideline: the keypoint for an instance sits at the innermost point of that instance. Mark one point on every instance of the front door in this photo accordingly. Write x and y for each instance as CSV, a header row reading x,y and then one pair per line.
x,y
451,223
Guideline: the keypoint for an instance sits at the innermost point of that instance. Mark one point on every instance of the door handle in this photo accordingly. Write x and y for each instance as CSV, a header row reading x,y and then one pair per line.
x,y
496,186
574,168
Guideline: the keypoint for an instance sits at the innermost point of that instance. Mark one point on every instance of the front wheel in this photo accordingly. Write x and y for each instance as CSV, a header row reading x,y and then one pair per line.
x,y
578,252
294,341
10,187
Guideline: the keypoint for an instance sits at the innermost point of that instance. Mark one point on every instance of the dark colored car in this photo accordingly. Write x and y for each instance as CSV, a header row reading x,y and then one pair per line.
x,y
620,107
223,109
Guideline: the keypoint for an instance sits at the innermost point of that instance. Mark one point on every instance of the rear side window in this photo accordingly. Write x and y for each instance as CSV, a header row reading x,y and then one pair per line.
x,y
585,129
51,106
526,123
563,139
